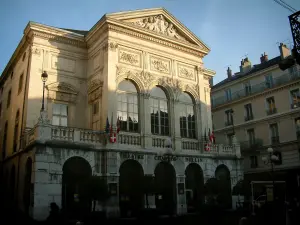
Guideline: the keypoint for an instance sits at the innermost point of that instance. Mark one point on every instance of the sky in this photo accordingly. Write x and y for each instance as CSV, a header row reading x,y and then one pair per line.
x,y
231,28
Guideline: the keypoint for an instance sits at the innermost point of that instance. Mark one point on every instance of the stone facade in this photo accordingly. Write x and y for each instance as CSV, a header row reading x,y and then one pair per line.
x,y
149,48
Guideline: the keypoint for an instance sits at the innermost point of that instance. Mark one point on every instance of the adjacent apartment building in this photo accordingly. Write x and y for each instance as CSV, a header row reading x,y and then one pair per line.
x,y
140,72
261,105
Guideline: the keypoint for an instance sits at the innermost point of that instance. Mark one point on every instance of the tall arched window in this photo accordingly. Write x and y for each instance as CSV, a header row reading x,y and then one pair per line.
x,y
4,140
16,130
159,112
187,116
128,110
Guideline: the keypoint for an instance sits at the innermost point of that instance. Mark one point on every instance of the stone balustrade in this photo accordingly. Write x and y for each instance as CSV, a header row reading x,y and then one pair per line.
x,y
44,133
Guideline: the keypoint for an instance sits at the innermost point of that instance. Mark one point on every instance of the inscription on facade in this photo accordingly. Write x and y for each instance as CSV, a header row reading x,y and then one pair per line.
x,y
165,158
127,155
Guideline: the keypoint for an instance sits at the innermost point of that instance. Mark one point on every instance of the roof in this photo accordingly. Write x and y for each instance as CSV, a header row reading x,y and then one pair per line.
x,y
82,32
253,70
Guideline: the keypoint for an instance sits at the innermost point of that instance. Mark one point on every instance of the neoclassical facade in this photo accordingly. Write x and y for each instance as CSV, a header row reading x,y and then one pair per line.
x,y
141,68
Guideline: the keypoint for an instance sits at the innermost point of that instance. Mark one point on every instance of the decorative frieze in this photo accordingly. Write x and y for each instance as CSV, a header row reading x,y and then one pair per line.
x,y
160,25
130,57
160,65
186,72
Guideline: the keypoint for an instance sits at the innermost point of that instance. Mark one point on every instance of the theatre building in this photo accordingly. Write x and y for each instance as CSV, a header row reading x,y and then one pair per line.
x,y
138,71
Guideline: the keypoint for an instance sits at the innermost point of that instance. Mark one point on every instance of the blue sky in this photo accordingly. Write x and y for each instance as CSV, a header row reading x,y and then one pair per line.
x,y
231,28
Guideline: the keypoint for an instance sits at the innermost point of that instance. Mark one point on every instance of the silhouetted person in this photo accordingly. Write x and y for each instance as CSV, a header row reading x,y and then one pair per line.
x,y
54,215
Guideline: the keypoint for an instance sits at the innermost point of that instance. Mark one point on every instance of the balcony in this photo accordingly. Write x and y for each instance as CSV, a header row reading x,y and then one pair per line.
x,y
275,140
295,105
249,117
271,111
98,140
259,88
251,146
228,123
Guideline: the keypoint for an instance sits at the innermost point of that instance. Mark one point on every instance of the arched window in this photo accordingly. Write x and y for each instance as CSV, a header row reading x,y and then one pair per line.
x,y
16,130
4,140
159,112
187,116
128,110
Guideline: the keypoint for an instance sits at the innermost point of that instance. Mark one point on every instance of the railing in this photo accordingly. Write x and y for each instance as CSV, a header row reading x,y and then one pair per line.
x,y
129,139
271,111
190,145
281,80
275,140
251,145
62,133
158,142
42,133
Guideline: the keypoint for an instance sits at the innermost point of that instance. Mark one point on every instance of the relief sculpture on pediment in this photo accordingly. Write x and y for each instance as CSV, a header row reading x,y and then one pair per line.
x,y
159,25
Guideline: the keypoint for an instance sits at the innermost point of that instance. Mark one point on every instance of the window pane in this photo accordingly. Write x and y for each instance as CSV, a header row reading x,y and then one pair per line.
x,y
55,120
56,109
64,121
64,110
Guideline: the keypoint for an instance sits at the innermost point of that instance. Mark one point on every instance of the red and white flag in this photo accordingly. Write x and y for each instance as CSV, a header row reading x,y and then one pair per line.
x,y
212,138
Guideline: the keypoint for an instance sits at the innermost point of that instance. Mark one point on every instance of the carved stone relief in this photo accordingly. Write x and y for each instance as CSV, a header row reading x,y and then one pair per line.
x,y
130,58
94,90
174,84
112,46
193,89
62,92
36,51
159,65
160,25
186,72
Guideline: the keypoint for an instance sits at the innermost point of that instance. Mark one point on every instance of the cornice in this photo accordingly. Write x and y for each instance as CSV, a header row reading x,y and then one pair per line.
x,y
252,97
158,40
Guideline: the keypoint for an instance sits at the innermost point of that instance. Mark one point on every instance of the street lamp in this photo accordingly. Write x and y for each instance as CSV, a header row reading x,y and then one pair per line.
x,y
271,159
44,78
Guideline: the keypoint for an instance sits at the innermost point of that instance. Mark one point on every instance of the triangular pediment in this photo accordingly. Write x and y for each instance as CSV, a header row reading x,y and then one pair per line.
x,y
159,21
62,87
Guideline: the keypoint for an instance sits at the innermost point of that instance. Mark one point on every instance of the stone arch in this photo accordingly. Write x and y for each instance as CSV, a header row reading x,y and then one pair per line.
x,y
194,185
131,76
222,174
164,86
68,154
193,97
131,188
76,172
165,183
192,93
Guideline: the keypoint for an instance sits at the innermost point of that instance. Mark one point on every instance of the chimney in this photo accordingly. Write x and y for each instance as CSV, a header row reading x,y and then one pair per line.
x,y
284,51
245,65
264,58
229,73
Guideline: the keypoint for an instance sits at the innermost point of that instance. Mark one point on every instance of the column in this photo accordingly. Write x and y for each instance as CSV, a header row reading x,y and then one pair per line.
x,y
181,198
147,120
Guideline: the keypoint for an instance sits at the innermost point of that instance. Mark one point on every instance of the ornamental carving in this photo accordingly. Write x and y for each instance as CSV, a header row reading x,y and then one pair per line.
x,y
159,25
193,89
62,91
123,72
113,46
94,84
159,65
174,84
186,73
36,51
131,58
147,79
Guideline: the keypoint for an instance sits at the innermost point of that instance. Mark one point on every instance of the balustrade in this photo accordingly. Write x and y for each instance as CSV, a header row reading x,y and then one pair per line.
x,y
129,139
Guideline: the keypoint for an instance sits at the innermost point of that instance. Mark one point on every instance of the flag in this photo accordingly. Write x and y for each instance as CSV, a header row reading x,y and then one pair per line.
x,y
112,122
212,138
209,134
118,125
107,127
